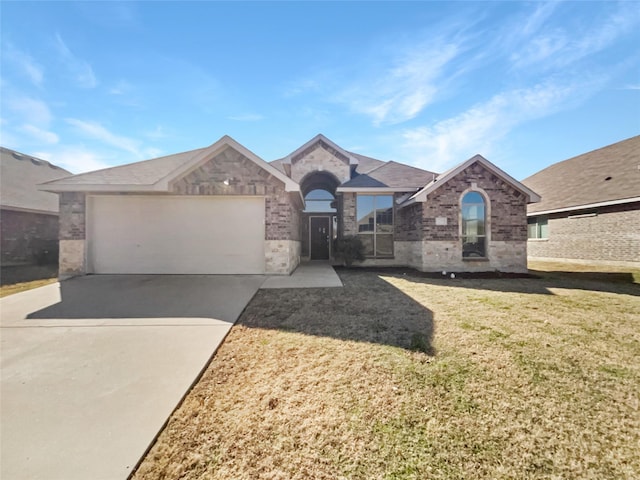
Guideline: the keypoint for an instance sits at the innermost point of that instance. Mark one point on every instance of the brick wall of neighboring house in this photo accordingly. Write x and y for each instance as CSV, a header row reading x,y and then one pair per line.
x,y
607,234
320,157
72,234
28,238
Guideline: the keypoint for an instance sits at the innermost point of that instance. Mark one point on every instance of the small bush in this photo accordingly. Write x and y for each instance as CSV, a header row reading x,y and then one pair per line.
x,y
350,249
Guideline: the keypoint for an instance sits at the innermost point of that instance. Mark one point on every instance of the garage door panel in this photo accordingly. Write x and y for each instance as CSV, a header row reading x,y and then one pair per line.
x,y
152,234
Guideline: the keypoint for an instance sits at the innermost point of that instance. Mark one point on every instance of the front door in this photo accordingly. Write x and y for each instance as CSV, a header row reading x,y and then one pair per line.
x,y
319,236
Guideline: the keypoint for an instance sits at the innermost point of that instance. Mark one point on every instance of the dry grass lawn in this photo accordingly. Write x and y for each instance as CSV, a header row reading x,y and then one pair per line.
x,y
405,376
23,286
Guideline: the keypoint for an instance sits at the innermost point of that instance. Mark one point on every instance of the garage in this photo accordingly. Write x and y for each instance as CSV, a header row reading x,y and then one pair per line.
x,y
169,234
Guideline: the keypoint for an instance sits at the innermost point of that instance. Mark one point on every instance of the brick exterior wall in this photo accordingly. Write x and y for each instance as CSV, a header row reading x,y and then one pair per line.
x,y
28,238
72,216
611,236
420,243
282,209
320,157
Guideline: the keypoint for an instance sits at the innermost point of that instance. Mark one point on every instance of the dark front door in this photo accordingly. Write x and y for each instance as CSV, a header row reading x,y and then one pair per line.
x,y
320,234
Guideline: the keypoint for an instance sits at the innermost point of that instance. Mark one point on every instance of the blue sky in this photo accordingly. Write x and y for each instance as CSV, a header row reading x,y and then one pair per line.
x,y
526,84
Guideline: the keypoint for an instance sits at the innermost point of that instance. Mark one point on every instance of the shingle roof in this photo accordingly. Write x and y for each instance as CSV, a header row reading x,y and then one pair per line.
x,y
366,164
19,175
146,172
392,175
608,174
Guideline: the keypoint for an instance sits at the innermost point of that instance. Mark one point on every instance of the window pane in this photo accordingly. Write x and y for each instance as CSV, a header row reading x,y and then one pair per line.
x,y
384,245
384,210
365,213
532,230
367,241
473,247
473,197
544,228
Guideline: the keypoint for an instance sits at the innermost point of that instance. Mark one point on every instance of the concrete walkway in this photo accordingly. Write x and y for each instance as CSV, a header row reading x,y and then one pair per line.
x,y
92,367
314,274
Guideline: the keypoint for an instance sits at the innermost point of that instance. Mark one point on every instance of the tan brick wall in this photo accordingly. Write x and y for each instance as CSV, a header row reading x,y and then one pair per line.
x,y
320,157
72,216
281,256
612,235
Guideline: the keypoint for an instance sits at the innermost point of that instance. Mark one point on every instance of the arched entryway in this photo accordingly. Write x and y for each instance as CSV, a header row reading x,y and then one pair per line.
x,y
319,219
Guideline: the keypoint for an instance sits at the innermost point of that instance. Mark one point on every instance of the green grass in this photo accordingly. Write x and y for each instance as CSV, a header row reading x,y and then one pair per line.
x,y
407,377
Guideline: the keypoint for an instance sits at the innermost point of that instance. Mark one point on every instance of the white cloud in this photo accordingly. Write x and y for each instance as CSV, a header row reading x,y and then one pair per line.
x,y
401,91
76,159
39,134
482,127
30,110
98,132
555,47
79,69
25,64
120,88
247,117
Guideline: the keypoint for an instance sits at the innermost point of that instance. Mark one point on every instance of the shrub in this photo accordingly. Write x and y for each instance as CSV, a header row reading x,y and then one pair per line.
x,y
349,249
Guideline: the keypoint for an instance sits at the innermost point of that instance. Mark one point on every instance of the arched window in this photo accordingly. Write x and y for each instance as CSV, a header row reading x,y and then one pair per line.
x,y
319,201
473,226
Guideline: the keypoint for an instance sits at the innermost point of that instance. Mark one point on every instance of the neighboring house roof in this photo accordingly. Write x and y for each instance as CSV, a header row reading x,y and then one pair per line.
x,y
19,175
421,196
391,175
155,175
606,176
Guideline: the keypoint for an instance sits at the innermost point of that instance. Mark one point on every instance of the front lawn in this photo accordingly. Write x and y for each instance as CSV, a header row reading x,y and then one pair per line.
x,y
404,376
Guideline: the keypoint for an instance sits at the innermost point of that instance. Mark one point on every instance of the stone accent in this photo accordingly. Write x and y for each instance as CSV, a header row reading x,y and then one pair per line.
x,y
281,256
349,221
72,216
72,258
28,238
320,157
610,236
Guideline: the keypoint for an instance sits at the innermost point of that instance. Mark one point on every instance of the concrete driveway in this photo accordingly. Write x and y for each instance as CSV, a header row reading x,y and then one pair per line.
x,y
92,367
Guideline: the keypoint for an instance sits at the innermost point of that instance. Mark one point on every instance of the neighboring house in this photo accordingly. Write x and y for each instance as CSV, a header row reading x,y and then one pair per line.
x,y
28,216
223,210
590,208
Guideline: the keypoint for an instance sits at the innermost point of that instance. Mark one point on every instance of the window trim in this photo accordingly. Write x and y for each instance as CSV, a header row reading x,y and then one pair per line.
x,y
487,223
374,233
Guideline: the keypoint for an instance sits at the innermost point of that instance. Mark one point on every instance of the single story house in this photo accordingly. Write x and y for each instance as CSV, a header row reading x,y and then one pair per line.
x,y
28,216
224,210
590,207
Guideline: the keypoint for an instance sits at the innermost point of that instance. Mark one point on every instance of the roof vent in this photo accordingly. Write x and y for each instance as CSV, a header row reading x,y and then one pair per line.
x,y
36,162
17,156
607,179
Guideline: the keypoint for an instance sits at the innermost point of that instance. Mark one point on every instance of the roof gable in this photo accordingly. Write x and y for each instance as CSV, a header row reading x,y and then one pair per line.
x,y
156,175
323,142
421,196
608,174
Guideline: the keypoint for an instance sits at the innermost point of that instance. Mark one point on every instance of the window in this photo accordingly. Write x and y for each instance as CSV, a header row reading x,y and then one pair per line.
x,y
319,201
473,226
537,227
375,224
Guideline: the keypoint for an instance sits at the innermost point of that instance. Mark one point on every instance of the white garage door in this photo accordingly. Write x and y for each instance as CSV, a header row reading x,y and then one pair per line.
x,y
175,234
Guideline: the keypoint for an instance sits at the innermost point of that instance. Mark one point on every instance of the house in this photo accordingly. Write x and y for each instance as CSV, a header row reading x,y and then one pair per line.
x,y
28,216
224,210
590,207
